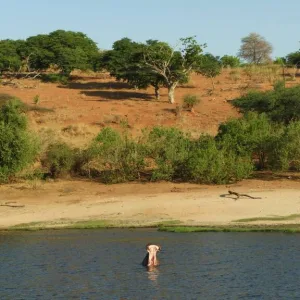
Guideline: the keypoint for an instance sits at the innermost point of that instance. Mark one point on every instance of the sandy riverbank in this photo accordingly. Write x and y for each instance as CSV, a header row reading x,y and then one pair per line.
x,y
65,202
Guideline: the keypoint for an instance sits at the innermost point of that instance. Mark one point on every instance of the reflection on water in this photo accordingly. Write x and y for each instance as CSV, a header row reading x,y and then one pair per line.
x,y
106,264
153,273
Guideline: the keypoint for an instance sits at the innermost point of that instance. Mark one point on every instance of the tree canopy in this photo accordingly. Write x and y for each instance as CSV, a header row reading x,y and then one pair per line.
x,y
153,63
210,67
125,62
255,49
10,59
293,59
173,65
67,50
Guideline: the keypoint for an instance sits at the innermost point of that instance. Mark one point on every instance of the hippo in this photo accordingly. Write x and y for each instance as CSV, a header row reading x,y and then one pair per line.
x,y
151,259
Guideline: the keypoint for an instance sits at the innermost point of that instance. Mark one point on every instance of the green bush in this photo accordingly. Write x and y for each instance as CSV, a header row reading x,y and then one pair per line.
x,y
189,101
285,150
114,158
250,136
279,85
209,164
59,159
18,147
281,105
169,148
4,98
230,61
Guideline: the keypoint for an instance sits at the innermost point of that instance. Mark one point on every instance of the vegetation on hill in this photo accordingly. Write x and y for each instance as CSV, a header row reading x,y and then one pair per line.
x,y
257,141
266,137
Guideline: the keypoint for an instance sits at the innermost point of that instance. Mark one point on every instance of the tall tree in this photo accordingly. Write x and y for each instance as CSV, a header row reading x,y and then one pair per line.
x,y
293,59
210,67
38,53
67,50
255,49
125,62
73,50
174,66
10,59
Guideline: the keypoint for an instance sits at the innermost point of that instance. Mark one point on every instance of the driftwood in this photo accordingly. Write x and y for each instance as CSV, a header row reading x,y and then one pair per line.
x,y
238,195
10,205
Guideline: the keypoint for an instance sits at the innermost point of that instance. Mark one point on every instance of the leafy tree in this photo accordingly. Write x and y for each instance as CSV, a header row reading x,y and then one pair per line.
x,y
210,67
73,50
125,62
255,49
293,59
67,50
10,59
174,66
231,61
38,53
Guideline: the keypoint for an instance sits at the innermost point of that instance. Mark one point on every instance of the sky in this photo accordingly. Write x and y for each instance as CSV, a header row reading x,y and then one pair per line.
x,y
219,23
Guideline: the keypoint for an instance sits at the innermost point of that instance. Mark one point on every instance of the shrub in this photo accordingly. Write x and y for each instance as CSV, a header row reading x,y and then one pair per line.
x,y
36,99
281,105
209,164
189,101
250,136
279,85
114,158
230,61
4,98
59,159
285,150
169,148
18,147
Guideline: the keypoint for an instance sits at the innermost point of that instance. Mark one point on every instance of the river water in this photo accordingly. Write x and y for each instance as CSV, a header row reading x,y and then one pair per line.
x,y
106,264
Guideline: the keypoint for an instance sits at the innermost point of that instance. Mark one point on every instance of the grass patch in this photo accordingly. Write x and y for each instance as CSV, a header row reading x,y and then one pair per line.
x,y
272,218
184,229
32,226
166,226
167,223
90,224
63,224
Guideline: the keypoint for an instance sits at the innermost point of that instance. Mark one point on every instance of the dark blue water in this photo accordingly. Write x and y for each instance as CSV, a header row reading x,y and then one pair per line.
x,y
105,264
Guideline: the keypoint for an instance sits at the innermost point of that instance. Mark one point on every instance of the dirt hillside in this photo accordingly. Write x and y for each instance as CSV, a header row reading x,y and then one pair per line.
x,y
92,101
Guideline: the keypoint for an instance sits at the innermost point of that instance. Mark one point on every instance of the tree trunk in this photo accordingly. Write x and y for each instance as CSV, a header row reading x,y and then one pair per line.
x,y
213,83
157,94
171,90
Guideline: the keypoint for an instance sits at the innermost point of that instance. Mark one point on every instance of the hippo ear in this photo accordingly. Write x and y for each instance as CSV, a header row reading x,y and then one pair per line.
x,y
159,247
147,246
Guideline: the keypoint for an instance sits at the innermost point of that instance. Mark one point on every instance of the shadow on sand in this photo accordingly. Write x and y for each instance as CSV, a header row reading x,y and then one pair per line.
x,y
118,95
96,85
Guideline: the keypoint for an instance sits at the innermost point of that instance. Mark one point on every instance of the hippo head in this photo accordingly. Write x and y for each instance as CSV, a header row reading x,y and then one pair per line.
x,y
151,257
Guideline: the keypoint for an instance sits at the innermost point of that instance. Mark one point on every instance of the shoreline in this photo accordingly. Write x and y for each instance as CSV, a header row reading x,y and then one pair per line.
x,y
84,204
282,228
